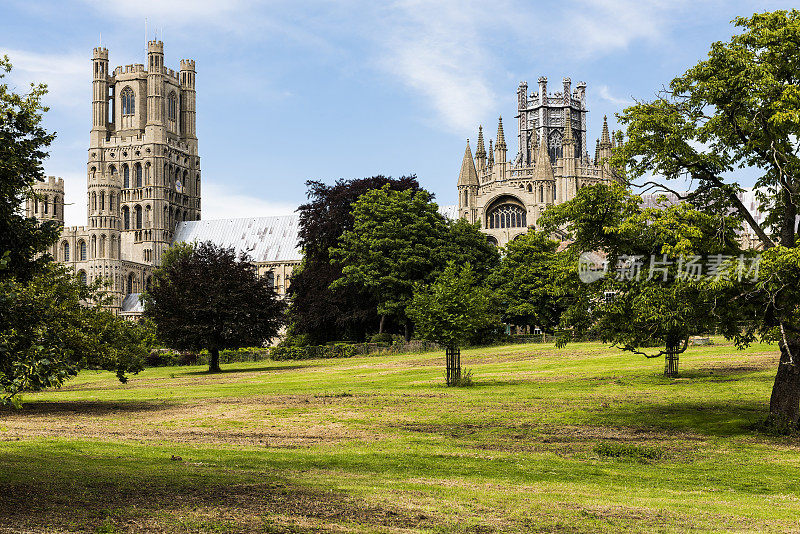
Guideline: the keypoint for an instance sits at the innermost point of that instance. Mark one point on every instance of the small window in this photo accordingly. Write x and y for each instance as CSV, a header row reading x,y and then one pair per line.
x,y
126,176
138,213
65,248
82,252
45,204
82,277
138,175
126,218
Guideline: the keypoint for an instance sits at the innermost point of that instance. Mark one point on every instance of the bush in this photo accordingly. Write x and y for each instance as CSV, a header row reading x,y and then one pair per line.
x,y
381,338
162,358
464,381
641,453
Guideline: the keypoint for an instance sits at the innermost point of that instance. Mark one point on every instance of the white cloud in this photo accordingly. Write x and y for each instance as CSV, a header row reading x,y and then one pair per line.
x,y
220,202
74,199
67,75
605,94
436,49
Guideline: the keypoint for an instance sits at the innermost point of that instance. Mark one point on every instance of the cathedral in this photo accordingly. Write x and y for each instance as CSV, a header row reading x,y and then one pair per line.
x,y
553,162
143,174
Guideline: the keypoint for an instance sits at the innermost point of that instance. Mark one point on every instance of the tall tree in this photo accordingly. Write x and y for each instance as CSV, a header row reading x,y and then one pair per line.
x,y
51,325
738,108
396,241
23,148
316,310
649,297
207,297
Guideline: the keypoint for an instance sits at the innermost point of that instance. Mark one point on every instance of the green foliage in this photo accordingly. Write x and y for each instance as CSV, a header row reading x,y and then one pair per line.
x,y
47,334
317,311
454,308
381,338
205,297
338,350
464,380
395,243
646,310
535,283
23,147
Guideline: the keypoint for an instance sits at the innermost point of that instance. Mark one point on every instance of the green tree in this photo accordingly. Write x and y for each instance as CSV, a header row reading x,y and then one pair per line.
x,y
396,241
51,325
23,147
533,281
207,297
451,310
465,243
318,312
644,302
738,108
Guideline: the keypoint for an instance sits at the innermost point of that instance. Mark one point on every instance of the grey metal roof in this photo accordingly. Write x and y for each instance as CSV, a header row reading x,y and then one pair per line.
x,y
131,304
263,238
450,212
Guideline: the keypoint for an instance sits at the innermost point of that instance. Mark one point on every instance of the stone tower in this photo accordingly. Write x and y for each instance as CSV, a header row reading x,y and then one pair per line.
x,y
47,203
143,167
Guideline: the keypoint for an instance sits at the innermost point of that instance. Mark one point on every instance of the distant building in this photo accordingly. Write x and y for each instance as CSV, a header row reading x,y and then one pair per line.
x,y
143,175
551,164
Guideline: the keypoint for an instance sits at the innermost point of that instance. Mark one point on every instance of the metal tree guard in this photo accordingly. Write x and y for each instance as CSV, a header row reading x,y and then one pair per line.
x,y
453,365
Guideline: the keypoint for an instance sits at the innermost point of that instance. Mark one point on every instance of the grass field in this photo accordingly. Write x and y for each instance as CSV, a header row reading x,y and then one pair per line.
x,y
582,439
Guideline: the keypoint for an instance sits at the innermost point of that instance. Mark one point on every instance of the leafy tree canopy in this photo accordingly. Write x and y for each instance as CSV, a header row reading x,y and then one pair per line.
x,y
318,312
454,308
207,297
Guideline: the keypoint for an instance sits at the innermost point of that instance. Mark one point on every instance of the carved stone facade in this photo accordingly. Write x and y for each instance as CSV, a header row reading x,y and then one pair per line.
x,y
143,173
552,163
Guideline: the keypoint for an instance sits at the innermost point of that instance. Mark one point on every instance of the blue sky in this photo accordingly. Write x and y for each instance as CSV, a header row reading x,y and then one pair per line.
x,y
293,90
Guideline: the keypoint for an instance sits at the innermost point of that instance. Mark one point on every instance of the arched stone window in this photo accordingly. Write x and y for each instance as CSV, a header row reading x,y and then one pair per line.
x,y
138,174
102,200
530,188
102,246
94,201
148,218
82,277
112,251
541,193
128,101
506,216
111,201
130,283
55,206
65,251
82,251
94,247
137,210
172,107
178,183
147,174
126,176
126,218
45,204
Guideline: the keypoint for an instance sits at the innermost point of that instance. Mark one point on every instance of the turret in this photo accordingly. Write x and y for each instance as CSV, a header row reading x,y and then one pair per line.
x,y
47,201
467,184
567,91
155,127
480,151
491,157
188,94
99,96
543,90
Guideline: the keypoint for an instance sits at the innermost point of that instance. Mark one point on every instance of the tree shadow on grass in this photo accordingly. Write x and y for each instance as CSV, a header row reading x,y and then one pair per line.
x,y
80,492
93,408
263,369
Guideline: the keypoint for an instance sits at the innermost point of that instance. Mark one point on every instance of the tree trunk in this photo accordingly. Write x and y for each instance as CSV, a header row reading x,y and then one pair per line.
x,y
407,332
452,365
784,404
671,358
383,320
213,361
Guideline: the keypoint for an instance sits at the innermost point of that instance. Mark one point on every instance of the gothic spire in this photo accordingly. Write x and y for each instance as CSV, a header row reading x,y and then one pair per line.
x,y
501,139
605,139
544,167
480,151
597,152
468,176
491,154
